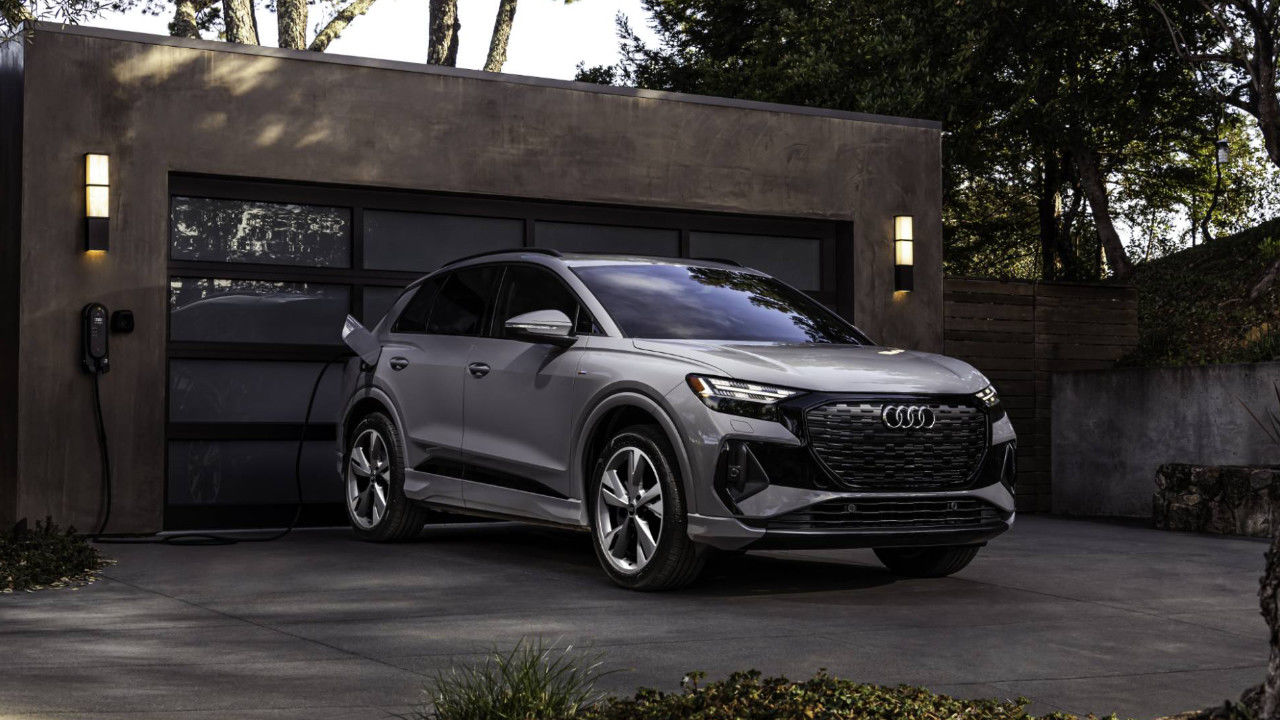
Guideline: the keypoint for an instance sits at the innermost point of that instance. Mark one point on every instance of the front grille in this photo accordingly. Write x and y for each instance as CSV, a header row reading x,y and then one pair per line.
x,y
850,438
890,514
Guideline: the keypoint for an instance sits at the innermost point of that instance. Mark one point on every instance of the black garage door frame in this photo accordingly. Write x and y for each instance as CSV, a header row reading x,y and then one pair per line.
x,y
836,290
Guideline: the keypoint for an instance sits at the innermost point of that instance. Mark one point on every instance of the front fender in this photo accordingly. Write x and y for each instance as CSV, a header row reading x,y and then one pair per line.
x,y
621,395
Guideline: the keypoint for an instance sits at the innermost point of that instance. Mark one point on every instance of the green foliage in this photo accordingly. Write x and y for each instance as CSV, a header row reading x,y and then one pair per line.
x,y
1022,87
750,696
531,682
45,557
1194,306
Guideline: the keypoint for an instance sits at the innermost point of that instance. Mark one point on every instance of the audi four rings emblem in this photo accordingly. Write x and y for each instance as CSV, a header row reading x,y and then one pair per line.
x,y
907,417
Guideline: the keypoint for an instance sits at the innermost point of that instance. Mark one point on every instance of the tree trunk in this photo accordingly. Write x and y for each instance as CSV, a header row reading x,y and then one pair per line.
x,y
237,15
1095,189
1269,123
501,34
291,21
1047,207
442,39
184,23
1269,599
334,28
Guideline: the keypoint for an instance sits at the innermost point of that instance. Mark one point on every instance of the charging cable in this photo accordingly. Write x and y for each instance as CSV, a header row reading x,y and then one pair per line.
x,y
200,538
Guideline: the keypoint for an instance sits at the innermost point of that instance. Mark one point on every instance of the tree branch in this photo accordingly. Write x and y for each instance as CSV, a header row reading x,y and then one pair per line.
x,y
334,28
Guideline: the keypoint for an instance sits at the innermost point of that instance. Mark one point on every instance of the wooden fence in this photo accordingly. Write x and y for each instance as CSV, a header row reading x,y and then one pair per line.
x,y
1018,334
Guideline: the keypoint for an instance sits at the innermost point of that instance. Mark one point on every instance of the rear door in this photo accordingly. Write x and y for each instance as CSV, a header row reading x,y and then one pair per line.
x,y
425,364
520,409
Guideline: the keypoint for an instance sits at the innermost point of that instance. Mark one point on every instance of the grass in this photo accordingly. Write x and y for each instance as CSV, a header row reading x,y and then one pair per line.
x,y
531,681
45,557
1194,306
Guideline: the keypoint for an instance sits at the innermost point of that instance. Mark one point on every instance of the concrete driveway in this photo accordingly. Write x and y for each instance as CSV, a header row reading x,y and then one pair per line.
x,y
1077,616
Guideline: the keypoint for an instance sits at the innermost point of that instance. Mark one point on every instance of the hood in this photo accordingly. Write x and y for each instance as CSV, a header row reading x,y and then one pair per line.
x,y
829,368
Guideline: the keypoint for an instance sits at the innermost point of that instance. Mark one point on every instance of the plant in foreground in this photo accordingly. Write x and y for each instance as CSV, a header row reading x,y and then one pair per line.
x,y
531,682
45,557
751,696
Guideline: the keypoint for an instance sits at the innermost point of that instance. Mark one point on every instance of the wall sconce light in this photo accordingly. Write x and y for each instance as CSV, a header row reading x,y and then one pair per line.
x,y
903,253
97,195
1224,152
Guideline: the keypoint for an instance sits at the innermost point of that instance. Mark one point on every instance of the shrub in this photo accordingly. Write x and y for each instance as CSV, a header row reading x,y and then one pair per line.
x,y
45,557
750,696
532,682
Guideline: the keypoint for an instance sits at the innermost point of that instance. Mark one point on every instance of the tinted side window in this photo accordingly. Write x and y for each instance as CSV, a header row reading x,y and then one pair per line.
x,y
464,301
413,319
530,288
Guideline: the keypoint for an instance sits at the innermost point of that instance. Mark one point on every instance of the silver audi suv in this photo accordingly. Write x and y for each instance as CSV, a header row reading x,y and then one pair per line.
x,y
673,408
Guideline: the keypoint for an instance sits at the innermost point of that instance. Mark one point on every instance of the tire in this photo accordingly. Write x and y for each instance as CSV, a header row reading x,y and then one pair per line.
x,y
621,527
379,480
927,561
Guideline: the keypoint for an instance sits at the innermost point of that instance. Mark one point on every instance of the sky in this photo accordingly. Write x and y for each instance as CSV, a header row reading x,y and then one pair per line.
x,y
548,39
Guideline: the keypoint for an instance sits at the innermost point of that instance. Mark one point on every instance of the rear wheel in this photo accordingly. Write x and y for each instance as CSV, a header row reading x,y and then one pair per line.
x,y
638,514
374,484
927,561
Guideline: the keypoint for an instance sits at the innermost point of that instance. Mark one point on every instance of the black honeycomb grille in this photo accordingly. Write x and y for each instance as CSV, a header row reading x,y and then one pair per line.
x,y
889,514
850,438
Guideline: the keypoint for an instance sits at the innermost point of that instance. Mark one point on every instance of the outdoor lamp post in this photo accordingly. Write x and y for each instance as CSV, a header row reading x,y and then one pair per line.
x,y
1224,152
903,253
97,193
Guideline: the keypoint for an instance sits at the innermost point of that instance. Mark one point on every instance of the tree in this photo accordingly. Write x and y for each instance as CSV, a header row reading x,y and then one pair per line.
x,y
14,13
1045,106
1237,52
444,28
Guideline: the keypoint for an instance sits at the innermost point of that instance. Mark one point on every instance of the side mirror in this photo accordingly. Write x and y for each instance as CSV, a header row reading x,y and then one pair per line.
x,y
542,326
361,341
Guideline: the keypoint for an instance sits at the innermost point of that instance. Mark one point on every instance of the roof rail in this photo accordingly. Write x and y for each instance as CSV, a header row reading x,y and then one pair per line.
x,y
541,251
722,261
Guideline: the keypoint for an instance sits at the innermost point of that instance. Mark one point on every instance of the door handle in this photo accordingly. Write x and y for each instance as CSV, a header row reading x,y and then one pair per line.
x,y
478,369
398,363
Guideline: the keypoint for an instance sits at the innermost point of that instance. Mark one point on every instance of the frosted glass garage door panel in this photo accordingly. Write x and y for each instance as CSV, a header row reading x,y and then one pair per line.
x,y
377,301
226,391
580,237
256,311
422,242
250,472
241,231
795,261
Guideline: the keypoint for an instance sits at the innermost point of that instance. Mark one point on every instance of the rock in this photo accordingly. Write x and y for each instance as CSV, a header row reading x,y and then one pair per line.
x,y
1220,499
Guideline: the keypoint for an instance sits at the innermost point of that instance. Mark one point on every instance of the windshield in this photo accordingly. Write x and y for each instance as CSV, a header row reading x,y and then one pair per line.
x,y
679,302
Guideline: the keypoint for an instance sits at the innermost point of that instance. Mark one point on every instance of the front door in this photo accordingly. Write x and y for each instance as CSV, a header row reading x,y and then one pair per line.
x,y
519,409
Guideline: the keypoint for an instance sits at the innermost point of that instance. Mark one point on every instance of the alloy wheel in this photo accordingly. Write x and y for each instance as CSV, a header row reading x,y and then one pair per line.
x,y
629,510
368,479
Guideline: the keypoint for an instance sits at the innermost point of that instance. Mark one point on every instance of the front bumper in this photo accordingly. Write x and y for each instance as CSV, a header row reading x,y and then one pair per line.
x,y
738,533
761,486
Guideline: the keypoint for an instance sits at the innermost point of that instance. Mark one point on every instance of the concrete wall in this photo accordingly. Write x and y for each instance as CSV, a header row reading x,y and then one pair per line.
x,y
159,105
1113,428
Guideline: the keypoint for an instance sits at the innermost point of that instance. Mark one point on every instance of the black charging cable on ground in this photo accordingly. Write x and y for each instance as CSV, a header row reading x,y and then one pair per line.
x,y
200,538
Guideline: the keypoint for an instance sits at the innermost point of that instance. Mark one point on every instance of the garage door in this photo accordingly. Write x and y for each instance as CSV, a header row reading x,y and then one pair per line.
x,y
261,276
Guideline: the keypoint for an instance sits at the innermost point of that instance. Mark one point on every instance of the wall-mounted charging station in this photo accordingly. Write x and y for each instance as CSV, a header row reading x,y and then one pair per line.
x,y
93,338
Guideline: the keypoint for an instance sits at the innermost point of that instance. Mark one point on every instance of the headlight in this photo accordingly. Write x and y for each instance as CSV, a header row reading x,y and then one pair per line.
x,y
736,397
988,396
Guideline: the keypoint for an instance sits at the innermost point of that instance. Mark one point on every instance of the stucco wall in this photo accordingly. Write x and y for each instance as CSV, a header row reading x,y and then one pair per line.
x,y
1113,428
158,105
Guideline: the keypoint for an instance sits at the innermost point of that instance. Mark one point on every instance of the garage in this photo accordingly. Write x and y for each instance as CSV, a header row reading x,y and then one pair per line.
x,y
250,198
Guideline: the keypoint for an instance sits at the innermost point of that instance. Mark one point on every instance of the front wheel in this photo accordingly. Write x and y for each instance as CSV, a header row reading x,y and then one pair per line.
x,y
374,484
927,561
638,514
